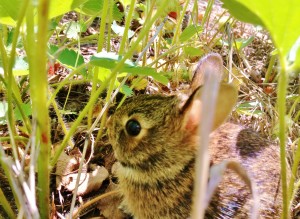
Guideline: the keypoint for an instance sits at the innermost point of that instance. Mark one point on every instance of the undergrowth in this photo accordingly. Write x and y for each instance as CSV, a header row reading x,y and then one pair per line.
x,y
114,50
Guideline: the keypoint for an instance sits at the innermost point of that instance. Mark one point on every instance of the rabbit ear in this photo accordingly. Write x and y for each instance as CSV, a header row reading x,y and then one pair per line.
x,y
212,62
226,100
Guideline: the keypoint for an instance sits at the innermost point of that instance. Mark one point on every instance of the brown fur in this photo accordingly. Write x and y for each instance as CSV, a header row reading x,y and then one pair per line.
x,y
157,166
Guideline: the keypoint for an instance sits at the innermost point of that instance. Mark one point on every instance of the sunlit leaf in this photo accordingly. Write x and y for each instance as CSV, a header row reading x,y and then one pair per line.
x,y
191,51
104,73
94,8
26,108
249,109
110,60
242,12
68,57
279,17
126,90
9,11
58,7
125,2
140,84
189,32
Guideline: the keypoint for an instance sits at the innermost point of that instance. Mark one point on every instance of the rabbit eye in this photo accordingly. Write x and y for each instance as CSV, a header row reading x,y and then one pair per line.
x,y
133,127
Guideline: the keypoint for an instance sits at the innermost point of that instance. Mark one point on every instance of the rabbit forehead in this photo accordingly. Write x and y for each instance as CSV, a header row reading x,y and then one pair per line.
x,y
149,106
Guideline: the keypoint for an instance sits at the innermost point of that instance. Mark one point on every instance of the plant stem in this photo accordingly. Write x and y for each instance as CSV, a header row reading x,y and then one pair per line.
x,y
39,95
179,22
281,102
126,28
6,206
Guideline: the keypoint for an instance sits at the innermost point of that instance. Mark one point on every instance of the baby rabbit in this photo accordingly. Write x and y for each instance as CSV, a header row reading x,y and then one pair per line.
x,y
155,139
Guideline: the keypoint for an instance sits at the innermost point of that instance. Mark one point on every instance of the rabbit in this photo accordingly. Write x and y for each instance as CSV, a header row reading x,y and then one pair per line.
x,y
155,138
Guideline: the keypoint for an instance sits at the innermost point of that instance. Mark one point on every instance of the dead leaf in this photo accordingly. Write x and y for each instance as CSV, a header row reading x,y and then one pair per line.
x,y
65,165
88,181
66,175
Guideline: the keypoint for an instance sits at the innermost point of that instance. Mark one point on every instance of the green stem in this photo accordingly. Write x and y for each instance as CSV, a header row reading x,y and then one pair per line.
x,y
65,81
179,22
127,25
281,102
110,18
270,67
6,206
295,166
102,26
11,83
150,7
76,123
39,95
99,49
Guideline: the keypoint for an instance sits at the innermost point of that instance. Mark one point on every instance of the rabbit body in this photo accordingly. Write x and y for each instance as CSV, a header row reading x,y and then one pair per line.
x,y
155,139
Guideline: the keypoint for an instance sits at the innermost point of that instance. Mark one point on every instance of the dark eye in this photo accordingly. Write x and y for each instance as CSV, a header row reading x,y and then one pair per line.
x,y
133,127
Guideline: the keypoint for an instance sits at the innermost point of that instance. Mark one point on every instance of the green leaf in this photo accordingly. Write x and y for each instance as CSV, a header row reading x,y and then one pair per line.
x,y
191,51
241,12
280,17
58,7
189,32
125,3
126,90
68,57
104,73
26,108
110,60
94,8
249,108
240,43
9,11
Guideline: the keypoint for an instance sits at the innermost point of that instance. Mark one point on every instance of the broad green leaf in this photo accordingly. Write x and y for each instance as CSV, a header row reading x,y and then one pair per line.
x,y
26,108
104,73
58,7
8,21
94,8
110,60
242,12
67,57
280,17
9,11
140,84
191,51
91,7
189,32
